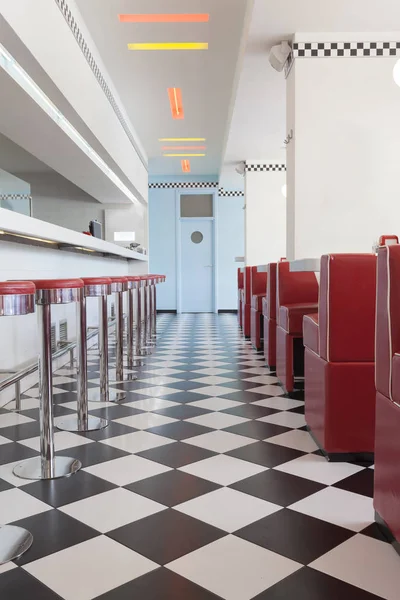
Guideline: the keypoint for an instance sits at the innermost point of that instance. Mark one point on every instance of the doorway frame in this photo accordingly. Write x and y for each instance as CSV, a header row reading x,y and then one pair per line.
x,y
178,239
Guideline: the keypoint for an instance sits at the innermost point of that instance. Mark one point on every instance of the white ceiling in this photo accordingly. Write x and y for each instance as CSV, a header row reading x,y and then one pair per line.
x,y
142,78
259,118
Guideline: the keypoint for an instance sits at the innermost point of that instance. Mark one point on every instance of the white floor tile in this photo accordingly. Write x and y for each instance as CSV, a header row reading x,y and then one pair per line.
x,y
16,504
62,441
126,470
90,569
4,440
220,441
317,468
265,379
7,567
216,404
214,390
233,568
145,420
222,469
339,507
112,509
211,371
267,390
137,441
151,404
367,563
217,420
157,391
286,419
298,440
279,403
213,380
26,403
161,372
11,419
160,380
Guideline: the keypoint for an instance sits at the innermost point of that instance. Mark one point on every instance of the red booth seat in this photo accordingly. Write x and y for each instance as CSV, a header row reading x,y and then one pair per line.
x,y
339,357
387,377
258,292
296,296
269,312
240,295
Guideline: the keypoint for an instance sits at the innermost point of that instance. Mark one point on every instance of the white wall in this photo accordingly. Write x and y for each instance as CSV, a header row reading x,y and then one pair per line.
x,y
265,217
230,243
345,162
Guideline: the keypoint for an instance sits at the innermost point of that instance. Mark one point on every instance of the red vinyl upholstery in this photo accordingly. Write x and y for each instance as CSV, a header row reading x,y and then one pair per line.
x,y
258,291
387,378
296,296
339,356
269,311
240,288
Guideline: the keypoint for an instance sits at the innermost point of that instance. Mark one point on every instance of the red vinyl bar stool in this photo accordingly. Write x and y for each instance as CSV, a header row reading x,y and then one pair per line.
x,y
94,287
48,465
16,298
119,285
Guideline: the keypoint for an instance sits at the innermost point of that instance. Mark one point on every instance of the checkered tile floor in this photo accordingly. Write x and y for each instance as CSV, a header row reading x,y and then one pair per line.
x,y
205,485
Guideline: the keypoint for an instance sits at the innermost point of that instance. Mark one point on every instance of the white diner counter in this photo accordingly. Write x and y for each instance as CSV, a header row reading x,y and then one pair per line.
x,y
61,253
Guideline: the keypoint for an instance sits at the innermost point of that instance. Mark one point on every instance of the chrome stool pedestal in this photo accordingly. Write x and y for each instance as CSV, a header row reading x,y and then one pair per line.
x,y
142,317
94,287
119,285
16,298
48,465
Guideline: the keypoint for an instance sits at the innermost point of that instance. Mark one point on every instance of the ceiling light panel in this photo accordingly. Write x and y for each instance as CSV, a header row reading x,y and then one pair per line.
x,y
174,148
172,155
186,166
165,18
175,101
169,46
182,139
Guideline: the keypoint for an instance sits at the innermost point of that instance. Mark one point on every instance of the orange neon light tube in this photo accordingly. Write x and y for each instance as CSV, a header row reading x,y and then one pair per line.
x,y
172,148
186,166
164,18
175,100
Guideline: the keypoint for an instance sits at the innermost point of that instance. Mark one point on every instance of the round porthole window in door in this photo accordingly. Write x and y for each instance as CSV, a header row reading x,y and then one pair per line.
x,y
197,237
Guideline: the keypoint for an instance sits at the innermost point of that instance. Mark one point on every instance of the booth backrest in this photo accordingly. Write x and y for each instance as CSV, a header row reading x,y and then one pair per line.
x,y
347,299
271,291
240,279
247,284
294,287
387,339
258,282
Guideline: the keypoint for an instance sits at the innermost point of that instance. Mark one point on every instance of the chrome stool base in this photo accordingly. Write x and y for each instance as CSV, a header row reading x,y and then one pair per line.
x,y
73,424
61,466
94,395
14,542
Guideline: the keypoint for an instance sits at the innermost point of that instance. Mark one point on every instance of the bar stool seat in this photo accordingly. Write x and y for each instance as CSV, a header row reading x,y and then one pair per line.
x,y
48,465
16,298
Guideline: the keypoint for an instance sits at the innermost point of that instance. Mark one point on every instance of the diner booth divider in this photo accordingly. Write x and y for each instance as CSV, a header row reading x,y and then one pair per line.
x,y
246,301
269,315
258,294
240,295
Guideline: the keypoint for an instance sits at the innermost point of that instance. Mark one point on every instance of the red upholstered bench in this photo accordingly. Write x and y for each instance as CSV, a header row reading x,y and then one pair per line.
x,y
296,296
240,296
387,378
339,358
258,293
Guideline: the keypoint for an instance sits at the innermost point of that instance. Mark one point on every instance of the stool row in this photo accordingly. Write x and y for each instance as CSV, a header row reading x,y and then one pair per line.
x,y
20,298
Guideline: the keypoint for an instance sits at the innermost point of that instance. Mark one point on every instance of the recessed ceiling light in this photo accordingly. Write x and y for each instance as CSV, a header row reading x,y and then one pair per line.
x,y
181,139
175,100
169,46
165,18
183,155
173,148
185,166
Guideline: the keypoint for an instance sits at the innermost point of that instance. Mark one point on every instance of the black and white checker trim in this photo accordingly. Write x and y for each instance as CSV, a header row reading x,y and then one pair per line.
x,y
230,193
256,168
15,197
183,185
73,25
345,49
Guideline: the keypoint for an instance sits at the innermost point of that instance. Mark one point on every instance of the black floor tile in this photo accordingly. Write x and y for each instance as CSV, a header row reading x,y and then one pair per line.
x,y
308,584
93,454
299,410
242,385
184,397
4,486
277,487
53,531
166,536
180,430
360,483
116,412
257,429
184,411
373,531
70,489
177,455
265,454
294,535
160,584
250,411
172,488
17,584
64,397
112,430
14,451
186,385
18,433
242,396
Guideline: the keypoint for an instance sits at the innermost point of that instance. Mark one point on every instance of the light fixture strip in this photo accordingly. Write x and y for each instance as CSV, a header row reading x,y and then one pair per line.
x,y
169,46
172,155
21,77
181,139
185,165
173,148
176,104
164,18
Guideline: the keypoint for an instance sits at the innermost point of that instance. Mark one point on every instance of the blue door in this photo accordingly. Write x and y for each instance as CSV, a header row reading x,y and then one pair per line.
x,y
197,265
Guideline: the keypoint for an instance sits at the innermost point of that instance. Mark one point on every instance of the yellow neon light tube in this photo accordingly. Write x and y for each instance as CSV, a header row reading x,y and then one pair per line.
x,y
169,46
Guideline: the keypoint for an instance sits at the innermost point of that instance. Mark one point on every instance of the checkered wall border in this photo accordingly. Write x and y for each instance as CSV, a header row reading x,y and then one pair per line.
x,y
66,11
259,168
230,193
184,184
15,197
345,49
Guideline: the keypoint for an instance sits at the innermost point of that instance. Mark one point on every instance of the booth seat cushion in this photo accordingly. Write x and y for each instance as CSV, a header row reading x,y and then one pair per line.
x,y
291,316
256,302
311,332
